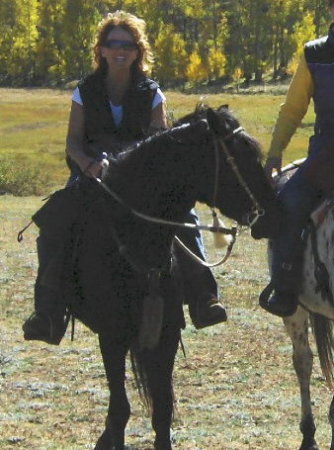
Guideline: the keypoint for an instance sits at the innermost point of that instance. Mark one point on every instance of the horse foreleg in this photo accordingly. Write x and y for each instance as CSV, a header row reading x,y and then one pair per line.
x,y
297,328
159,364
119,408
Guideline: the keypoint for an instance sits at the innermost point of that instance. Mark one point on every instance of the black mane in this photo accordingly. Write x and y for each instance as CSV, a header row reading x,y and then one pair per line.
x,y
187,126
147,158
226,117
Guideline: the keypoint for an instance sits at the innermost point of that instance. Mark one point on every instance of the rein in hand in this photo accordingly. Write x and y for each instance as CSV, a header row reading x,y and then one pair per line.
x,y
215,229
257,211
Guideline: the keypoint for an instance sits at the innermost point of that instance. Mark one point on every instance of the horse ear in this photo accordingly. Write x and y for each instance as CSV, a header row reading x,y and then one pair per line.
x,y
213,120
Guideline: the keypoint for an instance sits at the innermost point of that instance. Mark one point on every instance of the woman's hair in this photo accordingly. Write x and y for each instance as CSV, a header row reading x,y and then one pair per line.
x,y
133,25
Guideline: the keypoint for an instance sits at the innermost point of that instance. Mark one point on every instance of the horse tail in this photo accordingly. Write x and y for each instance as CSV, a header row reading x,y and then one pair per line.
x,y
322,329
147,379
141,379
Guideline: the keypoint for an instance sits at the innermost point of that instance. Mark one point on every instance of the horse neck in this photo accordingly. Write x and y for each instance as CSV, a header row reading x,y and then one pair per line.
x,y
160,177
157,178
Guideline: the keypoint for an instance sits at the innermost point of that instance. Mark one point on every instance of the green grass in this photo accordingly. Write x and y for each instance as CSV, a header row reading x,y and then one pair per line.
x,y
34,126
32,139
236,388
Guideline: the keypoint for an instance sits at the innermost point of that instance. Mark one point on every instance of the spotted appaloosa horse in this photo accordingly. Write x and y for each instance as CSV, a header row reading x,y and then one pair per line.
x,y
316,307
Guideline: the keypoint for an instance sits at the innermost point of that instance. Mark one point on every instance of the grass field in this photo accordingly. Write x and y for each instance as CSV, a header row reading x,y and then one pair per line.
x,y
34,124
236,389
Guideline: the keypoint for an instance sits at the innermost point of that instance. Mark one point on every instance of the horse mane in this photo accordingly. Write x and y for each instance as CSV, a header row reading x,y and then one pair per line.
x,y
227,117
199,112
187,132
191,129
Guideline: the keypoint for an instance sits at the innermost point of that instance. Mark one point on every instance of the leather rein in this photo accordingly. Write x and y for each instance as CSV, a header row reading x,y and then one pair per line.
x,y
256,211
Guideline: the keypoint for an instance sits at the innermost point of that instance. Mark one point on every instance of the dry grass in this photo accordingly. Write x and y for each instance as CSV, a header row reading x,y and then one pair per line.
x,y
236,388
34,126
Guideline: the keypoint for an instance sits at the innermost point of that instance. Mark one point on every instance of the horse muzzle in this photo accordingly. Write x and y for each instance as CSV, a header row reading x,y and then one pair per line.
x,y
266,226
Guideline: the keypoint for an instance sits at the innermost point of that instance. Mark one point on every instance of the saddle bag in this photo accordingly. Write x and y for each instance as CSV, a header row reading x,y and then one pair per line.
x,y
59,212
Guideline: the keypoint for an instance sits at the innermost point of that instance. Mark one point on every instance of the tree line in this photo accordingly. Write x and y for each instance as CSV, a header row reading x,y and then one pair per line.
x,y
49,42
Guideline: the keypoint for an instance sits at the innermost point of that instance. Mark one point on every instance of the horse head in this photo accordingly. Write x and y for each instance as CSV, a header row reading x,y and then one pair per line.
x,y
243,191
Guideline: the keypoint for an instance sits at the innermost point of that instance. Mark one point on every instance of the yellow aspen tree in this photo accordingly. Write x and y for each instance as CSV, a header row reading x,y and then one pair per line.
x,y
197,71
171,56
304,32
217,63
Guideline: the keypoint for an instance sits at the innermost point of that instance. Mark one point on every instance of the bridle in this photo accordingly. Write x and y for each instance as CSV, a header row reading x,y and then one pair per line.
x,y
219,142
256,211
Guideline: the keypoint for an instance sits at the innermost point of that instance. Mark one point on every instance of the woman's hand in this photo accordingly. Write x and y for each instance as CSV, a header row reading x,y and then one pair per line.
x,y
95,168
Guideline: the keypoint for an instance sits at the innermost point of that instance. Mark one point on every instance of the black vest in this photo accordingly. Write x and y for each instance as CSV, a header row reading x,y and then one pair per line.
x,y
101,133
319,55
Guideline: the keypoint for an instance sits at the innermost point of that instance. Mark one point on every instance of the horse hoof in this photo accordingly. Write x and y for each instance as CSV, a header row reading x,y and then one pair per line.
x,y
163,446
105,442
309,446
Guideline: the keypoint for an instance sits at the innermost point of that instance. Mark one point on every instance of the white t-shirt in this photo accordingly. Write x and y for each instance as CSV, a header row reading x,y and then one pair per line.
x,y
117,111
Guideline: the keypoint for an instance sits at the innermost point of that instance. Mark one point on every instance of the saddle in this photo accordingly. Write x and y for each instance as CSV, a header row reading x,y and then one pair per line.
x,y
59,212
326,184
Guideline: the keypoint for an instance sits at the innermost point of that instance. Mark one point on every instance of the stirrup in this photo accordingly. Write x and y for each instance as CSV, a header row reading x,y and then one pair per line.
x,y
275,305
210,315
51,334
265,294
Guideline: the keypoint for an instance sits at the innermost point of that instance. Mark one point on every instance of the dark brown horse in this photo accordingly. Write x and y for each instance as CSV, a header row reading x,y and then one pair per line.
x,y
125,270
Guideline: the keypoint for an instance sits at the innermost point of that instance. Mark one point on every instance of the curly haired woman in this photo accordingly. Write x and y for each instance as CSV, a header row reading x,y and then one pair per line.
x,y
114,106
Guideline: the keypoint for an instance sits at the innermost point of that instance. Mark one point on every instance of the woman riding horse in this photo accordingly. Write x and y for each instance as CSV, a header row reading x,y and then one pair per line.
x,y
111,108
126,273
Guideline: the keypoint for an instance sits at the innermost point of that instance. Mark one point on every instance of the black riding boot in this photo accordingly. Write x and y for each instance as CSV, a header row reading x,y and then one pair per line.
x,y
48,323
280,297
200,287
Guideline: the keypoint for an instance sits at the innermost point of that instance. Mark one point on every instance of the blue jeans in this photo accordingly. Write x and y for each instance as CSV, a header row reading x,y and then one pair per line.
x,y
299,198
199,282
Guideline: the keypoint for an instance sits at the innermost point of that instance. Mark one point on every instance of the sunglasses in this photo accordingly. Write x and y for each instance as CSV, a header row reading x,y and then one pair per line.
x,y
124,45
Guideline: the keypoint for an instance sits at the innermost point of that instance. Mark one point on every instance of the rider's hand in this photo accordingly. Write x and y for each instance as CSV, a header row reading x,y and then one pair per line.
x,y
273,163
95,168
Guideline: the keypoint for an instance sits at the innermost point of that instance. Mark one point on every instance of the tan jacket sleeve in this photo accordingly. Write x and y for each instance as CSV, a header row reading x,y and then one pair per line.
x,y
292,110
